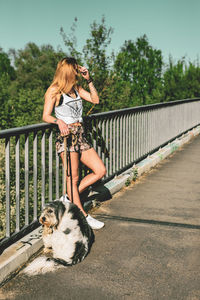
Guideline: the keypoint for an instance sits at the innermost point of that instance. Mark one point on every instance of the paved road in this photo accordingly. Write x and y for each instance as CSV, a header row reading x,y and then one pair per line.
x,y
149,248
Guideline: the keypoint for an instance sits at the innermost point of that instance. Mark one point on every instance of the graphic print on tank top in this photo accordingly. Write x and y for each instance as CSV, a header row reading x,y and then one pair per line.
x,y
69,107
75,107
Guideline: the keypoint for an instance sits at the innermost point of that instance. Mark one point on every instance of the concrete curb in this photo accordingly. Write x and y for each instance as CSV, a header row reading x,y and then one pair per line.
x,y
18,254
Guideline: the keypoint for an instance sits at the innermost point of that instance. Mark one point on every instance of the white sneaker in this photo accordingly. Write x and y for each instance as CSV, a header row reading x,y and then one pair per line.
x,y
94,224
65,199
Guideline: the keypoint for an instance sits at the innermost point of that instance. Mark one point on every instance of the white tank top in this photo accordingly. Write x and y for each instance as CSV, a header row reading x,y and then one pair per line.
x,y
70,110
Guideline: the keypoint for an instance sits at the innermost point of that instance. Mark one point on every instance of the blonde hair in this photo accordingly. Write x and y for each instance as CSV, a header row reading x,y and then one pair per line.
x,y
66,76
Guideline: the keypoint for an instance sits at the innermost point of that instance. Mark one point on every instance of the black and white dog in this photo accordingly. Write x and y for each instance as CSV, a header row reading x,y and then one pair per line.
x,y
66,233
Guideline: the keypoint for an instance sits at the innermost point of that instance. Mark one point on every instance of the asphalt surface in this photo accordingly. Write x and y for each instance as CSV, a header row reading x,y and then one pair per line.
x,y
149,248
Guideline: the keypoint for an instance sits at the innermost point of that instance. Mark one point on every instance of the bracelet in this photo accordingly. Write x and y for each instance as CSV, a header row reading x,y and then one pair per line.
x,y
89,80
55,121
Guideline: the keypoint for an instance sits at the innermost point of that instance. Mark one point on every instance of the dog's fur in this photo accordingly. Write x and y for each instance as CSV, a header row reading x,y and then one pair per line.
x,y
66,233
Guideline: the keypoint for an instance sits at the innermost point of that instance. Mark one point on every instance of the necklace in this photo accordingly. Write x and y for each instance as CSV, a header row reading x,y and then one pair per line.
x,y
72,92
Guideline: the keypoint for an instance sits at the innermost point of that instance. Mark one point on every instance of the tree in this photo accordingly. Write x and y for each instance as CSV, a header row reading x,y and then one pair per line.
x,y
140,65
181,80
94,57
5,65
35,66
7,74
95,51
5,112
70,42
192,80
27,107
174,80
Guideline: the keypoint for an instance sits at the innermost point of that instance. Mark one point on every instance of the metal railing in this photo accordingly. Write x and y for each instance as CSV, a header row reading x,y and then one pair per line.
x,y
32,174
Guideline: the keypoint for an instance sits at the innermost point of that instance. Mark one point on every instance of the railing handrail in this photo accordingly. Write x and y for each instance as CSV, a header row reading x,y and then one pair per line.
x,y
25,129
143,107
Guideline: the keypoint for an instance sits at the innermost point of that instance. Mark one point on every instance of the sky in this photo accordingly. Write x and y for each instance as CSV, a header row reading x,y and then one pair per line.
x,y
172,26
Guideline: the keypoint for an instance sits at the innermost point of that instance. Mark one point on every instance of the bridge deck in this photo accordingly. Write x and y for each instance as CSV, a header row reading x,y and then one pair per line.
x,y
149,248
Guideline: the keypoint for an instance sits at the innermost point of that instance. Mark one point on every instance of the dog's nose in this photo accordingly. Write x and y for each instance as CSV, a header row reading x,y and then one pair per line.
x,y
43,219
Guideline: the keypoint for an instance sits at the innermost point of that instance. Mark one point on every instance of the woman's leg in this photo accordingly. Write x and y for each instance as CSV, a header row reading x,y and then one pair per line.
x,y
91,159
75,176
88,159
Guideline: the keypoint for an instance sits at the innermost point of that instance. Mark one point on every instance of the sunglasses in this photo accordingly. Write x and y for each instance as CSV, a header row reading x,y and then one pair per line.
x,y
70,60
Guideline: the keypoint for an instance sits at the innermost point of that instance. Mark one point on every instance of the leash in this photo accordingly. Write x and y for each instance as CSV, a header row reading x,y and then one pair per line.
x,y
67,162
90,110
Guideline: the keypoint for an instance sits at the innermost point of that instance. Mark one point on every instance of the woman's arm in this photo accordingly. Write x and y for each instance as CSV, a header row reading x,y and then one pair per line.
x,y
91,96
47,111
48,106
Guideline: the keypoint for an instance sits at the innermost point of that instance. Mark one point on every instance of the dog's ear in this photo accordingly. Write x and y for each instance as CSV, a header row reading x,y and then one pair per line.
x,y
60,209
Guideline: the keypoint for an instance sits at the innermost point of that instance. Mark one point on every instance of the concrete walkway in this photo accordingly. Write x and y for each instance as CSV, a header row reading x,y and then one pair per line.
x,y
149,248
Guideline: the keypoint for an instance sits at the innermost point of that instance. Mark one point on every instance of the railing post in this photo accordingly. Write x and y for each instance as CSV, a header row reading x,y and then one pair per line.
x,y
7,169
50,167
111,145
108,147
114,145
103,141
57,176
17,179
26,179
43,167
35,175
118,144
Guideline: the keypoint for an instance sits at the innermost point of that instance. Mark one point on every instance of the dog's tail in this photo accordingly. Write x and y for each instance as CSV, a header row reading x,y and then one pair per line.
x,y
42,265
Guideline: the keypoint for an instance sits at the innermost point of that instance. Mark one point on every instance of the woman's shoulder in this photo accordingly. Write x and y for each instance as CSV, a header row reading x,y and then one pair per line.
x,y
52,93
52,89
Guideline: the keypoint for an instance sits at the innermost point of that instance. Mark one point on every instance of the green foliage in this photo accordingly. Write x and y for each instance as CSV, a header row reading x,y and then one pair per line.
x,y
5,112
174,80
128,182
35,66
70,42
22,89
7,74
135,174
94,57
27,105
192,80
97,61
95,52
5,65
181,81
140,65
135,76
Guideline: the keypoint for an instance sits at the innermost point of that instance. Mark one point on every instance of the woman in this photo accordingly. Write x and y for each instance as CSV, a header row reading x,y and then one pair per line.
x,y
66,96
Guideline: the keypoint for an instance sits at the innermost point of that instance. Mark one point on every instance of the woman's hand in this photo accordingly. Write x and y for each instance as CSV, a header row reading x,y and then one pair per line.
x,y
63,127
84,72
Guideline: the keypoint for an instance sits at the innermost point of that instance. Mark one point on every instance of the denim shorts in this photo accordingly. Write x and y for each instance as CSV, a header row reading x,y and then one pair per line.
x,y
76,140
